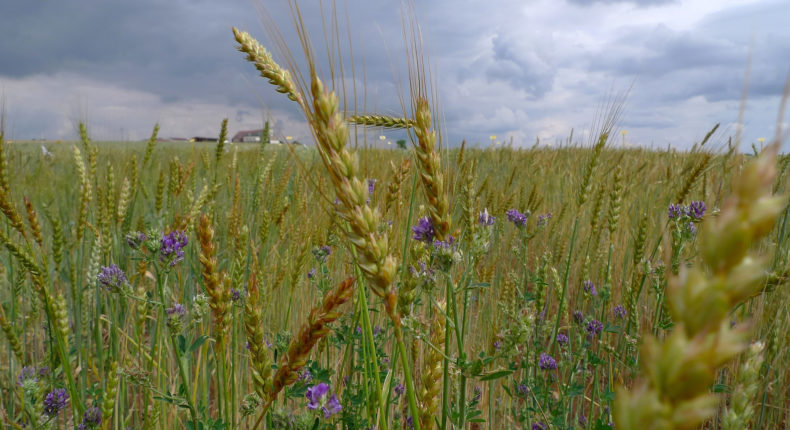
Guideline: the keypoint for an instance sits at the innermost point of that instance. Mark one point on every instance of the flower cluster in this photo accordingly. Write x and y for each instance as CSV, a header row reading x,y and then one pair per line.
x,y
136,239
172,246
544,219
316,396
399,389
517,218
111,277
175,316
371,186
91,419
322,253
695,211
589,288
424,231
28,374
55,401
485,218
594,328
547,362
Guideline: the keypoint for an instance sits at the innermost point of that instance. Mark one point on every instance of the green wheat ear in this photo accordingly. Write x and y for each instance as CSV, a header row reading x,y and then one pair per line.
x,y
381,121
679,371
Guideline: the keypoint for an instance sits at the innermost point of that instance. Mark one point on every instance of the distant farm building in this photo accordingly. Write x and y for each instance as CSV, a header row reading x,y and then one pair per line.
x,y
248,136
203,139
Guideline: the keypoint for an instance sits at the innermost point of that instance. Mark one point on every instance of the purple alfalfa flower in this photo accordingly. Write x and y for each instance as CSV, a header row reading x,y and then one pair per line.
x,y
28,373
543,219
485,218
136,239
522,390
322,253
696,209
178,310
443,245
547,362
578,317
562,339
371,186
306,376
540,425
692,229
582,420
423,231
594,327
517,218
171,247
235,294
377,330
91,419
589,288
676,211
399,390
478,393
111,277
619,312
175,315
55,401
358,330
497,345
316,396
410,421
332,407
311,273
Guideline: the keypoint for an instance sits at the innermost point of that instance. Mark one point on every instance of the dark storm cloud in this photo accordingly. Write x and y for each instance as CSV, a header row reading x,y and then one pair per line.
x,y
505,67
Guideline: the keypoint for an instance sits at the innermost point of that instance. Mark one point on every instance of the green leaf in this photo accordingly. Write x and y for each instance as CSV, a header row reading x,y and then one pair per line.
x,y
198,342
495,375
720,388
182,344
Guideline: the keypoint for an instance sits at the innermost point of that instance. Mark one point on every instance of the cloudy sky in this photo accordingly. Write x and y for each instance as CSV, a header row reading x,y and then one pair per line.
x,y
516,69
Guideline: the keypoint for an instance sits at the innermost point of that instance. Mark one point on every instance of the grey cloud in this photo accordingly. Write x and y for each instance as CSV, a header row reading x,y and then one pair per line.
x,y
660,51
640,3
526,66
500,67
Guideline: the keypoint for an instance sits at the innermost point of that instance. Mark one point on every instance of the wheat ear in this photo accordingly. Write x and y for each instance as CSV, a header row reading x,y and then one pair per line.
x,y
218,291
316,327
432,370
432,176
381,121
372,246
253,321
265,64
679,371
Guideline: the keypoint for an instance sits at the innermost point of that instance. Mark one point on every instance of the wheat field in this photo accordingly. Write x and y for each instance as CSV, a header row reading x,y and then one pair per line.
x,y
216,285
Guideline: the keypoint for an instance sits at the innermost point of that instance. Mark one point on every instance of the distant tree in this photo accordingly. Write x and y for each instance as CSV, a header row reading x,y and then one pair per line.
x,y
401,143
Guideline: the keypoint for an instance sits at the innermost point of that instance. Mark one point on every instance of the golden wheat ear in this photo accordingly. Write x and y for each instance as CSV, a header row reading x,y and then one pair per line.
x,y
313,330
